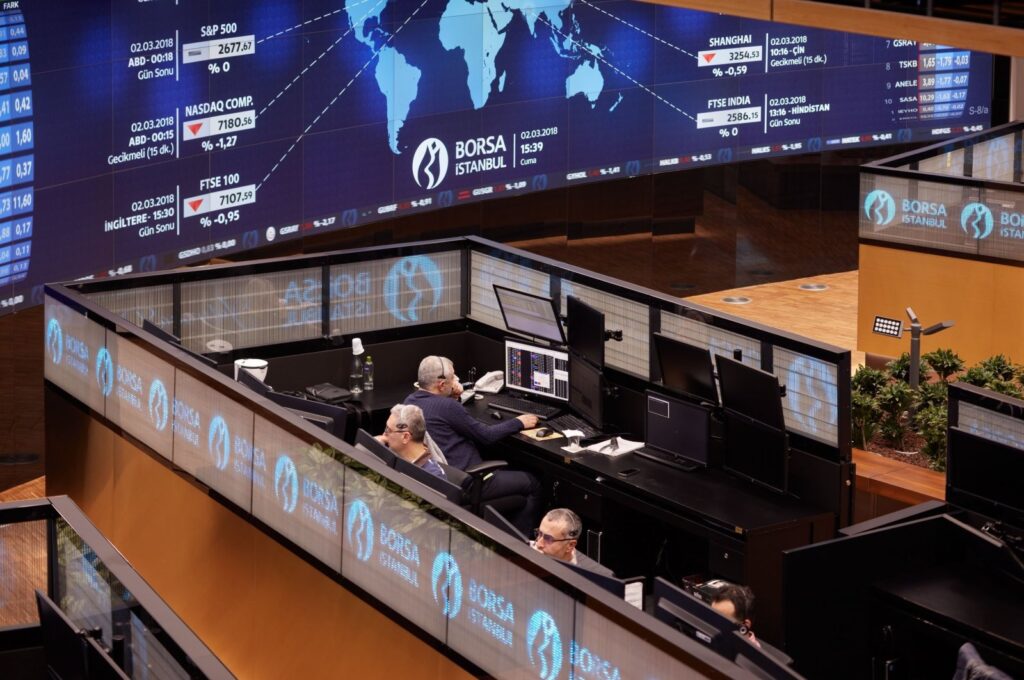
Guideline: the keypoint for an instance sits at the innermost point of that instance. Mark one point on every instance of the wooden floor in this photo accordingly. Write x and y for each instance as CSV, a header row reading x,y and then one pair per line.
x,y
22,560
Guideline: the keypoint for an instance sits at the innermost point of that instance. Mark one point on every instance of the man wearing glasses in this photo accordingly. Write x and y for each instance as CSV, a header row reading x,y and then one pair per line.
x,y
404,434
557,536
458,434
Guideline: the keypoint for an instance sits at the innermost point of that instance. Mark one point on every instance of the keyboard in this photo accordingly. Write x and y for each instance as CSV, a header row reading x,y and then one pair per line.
x,y
571,422
666,458
516,405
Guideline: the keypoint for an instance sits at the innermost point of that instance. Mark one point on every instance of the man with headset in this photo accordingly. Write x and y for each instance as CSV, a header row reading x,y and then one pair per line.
x,y
457,433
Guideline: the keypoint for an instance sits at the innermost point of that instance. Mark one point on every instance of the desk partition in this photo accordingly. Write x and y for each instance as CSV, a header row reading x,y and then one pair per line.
x,y
485,599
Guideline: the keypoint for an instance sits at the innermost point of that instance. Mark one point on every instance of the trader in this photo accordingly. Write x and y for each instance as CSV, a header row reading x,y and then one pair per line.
x,y
457,434
736,603
404,434
557,537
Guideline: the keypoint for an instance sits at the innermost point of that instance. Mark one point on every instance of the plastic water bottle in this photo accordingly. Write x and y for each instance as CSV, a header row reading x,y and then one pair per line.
x,y
355,375
368,373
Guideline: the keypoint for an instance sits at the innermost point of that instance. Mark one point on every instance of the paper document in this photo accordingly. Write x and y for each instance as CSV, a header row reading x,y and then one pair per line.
x,y
616,446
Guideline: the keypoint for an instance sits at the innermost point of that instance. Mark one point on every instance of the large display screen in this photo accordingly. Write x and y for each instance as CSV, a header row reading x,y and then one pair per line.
x,y
136,135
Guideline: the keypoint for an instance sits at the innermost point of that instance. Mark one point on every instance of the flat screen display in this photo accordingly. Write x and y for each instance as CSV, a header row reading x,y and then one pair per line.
x,y
586,391
750,391
989,472
143,135
529,314
755,452
138,385
536,370
678,427
686,368
76,357
586,330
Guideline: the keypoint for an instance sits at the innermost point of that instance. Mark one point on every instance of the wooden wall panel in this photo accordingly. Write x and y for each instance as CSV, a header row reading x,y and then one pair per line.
x,y
986,301
21,393
264,612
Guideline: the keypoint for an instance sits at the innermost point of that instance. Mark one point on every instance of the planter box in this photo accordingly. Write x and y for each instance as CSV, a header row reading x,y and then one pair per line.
x,y
885,485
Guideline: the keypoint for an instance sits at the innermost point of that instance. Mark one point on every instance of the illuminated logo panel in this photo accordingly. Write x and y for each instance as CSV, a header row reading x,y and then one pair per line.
x,y
879,207
54,341
430,163
218,442
412,281
359,529
446,584
544,645
976,220
159,405
286,483
104,371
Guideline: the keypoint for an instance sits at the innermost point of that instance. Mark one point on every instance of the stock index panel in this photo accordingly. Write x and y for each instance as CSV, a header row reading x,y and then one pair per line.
x,y
142,134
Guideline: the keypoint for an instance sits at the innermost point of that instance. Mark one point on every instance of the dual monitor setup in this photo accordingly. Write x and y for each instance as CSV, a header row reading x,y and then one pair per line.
x,y
679,416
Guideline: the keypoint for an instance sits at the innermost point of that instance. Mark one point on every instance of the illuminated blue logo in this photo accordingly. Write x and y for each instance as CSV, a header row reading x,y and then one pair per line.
x,y
359,529
544,645
350,217
409,274
251,238
218,442
286,483
724,155
147,263
879,207
430,163
539,182
976,220
54,341
446,584
158,405
633,168
104,371
814,144
445,198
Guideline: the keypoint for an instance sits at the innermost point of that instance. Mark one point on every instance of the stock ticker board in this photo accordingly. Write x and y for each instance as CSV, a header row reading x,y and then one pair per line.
x,y
143,134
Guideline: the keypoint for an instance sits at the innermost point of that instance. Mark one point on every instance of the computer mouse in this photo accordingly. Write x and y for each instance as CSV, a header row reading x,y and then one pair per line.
x,y
496,415
544,432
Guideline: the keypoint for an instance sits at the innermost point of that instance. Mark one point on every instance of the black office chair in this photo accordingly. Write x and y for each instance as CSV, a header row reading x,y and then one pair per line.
x,y
446,488
369,443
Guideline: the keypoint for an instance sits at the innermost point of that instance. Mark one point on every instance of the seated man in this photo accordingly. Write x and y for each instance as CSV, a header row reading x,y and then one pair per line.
x,y
736,603
404,434
457,433
557,536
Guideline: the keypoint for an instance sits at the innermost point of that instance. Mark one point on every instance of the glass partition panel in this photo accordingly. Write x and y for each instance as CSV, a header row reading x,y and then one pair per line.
x,y
395,550
487,271
632,318
74,350
993,159
601,650
299,491
151,303
991,425
395,292
137,386
949,163
502,617
251,310
213,440
93,598
811,404
718,340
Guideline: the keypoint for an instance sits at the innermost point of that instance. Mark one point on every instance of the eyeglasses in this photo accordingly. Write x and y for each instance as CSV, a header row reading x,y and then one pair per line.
x,y
401,427
548,538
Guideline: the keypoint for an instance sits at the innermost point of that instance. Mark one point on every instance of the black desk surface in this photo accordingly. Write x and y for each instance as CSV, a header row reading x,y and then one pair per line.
x,y
965,598
734,505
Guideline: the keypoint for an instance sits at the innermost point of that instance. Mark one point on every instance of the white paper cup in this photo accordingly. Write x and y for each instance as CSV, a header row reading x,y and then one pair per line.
x,y
257,367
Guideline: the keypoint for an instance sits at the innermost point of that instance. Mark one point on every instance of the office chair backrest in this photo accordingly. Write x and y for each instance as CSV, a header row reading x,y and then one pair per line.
x,y
444,487
368,442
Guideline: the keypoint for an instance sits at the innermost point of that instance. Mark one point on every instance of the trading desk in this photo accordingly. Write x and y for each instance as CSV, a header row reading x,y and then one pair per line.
x,y
709,521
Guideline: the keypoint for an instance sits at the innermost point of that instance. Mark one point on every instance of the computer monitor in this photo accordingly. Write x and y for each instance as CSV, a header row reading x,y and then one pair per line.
x,y
530,314
153,329
678,427
337,414
686,368
367,442
536,370
615,586
985,476
756,452
586,391
586,331
323,422
686,613
751,392
62,640
499,520
247,378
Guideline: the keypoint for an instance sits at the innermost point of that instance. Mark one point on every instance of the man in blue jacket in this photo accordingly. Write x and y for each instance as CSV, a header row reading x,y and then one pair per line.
x,y
457,433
